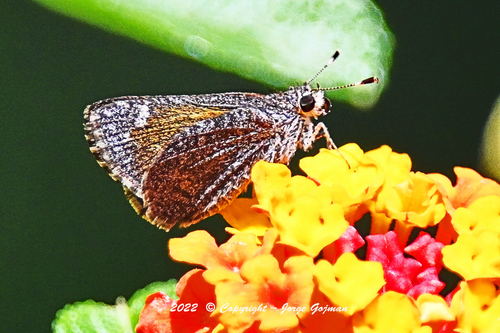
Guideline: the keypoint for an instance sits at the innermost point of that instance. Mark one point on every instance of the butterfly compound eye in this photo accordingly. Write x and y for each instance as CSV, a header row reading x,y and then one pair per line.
x,y
326,104
307,103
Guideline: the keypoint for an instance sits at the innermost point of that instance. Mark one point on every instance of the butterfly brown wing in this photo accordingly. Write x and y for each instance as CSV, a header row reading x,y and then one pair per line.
x,y
206,166
126,134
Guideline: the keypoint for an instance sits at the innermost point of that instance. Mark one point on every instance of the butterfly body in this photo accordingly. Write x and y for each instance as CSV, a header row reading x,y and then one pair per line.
x,y
181,158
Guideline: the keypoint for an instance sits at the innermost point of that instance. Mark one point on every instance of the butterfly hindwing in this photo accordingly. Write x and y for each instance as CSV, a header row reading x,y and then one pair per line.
x,y
206,166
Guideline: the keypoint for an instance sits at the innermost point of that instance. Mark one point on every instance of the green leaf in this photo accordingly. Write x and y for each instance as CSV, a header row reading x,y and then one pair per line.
x,y
489,156
278,43
91,316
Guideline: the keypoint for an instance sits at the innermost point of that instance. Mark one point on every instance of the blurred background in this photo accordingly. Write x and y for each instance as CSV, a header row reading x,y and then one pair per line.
x,y
68,234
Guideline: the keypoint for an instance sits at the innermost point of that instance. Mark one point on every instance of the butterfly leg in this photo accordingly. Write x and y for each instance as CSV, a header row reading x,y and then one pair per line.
x,y
321,131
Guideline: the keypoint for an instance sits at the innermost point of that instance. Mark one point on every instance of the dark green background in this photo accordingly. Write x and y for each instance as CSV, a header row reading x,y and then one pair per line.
x,y
67,233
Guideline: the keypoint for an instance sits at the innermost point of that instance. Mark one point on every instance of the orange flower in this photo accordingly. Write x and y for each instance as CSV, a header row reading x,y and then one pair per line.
x,y
270,297
470,186
224,262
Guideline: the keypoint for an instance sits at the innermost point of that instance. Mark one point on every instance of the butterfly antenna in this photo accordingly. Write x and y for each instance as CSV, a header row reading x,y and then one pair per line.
x,y
369,80
332,59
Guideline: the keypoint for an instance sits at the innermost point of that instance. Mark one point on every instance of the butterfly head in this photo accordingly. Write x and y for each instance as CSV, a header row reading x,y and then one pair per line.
x,y
313,103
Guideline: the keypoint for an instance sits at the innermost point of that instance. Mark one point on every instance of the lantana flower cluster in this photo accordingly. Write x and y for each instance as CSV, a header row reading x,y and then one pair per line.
x,y
291,264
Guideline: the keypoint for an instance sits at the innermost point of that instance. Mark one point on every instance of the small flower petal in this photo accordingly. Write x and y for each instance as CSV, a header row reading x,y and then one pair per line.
x,y
303,212
426,250
474,255
325,317
323,225
396,169
471,186
161,314
480,307
350,283
266,178
399,271
396,166
390,312
433,308
321,165
482,214
417,201
412,199
242,217
155,317
194,292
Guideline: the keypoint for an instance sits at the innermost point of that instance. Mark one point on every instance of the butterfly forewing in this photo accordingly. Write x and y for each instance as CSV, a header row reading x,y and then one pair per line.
x,y
127,133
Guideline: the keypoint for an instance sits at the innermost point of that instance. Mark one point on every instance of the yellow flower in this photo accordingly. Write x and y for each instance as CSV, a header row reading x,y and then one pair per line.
x,y
390,312
412,199
482,214
476,252
303,212
351,184
474,255
480,307
415,202
349,282
396,168
243,218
